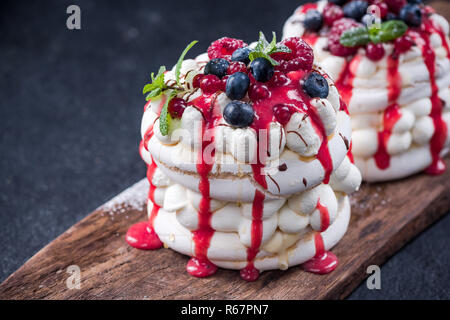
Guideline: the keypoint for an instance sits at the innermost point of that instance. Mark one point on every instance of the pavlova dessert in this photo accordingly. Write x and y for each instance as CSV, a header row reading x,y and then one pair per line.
x,y
248,160
390,62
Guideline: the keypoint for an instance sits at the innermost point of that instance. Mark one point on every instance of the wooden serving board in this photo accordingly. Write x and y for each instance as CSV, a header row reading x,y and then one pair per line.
x,y
384,217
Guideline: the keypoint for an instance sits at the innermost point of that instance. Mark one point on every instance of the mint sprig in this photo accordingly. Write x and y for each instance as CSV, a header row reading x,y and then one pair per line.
x,y
388,31
264,49
180,60
159,87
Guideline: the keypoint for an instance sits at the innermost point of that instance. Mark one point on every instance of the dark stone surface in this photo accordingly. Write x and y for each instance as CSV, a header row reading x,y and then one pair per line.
x,y
70,109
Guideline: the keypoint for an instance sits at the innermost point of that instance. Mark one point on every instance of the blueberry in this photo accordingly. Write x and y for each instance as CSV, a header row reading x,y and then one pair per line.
x,y
261,69
237,85
390,16
313,20
355,9
316,85
238,114
411,15
217,67
241,55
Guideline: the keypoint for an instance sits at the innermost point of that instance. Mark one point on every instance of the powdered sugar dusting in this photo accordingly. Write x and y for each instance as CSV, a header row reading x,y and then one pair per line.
x,y
135,197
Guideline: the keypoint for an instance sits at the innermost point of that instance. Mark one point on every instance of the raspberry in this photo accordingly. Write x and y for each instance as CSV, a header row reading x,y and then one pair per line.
x,y
331,13
210,84
375,51
176,107
258,91
237,67
334,36
395,5
224,48
300,57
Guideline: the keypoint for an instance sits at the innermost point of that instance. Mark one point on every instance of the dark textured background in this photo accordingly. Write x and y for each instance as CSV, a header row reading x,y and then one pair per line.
x,y
70,109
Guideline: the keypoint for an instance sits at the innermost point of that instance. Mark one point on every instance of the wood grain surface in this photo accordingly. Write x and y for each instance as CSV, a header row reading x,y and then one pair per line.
x,y
385,216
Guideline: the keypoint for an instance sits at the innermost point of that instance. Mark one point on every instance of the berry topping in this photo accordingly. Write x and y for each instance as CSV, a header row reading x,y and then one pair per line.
x,y
300,57
332,13
237,85
237,67
196,80
241,55
176,107
238,114
217,67
210,84
395,5
224,48
282,113
334,36
411,15
316,85
258,91
262,69
355,9
313,20
279,79
375,52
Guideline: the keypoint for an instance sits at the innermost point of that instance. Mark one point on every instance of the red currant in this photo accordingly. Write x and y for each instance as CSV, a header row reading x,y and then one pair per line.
x,y
258,91
196,80
278,79
282,113
210,84
176,107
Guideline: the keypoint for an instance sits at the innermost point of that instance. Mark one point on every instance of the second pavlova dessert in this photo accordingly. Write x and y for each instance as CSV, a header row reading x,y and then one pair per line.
x,y
248,160
390,62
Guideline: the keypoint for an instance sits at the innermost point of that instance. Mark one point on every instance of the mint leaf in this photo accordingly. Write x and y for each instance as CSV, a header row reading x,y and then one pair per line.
x,y
164,116
154,93
257,54
264,49
355,37
157,86
180,60
390,30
